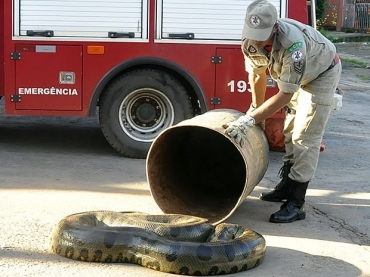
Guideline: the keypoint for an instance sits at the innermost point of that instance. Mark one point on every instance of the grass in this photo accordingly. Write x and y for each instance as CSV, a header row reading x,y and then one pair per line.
x,y
336,39
354,62
363,77
326,34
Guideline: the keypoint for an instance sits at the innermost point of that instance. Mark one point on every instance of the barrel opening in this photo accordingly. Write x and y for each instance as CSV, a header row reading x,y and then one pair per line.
x,y
197,171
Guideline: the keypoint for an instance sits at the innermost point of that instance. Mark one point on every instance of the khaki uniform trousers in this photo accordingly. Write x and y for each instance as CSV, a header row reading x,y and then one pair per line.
x,y
305,122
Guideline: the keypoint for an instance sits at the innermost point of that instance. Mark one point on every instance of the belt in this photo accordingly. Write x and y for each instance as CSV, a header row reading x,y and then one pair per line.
x,y
334,62
289,110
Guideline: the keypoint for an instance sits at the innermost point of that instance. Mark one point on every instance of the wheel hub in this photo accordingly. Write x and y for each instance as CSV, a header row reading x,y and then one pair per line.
x,y
145,112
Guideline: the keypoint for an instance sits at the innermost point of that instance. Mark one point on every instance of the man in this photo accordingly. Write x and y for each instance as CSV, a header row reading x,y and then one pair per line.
x,y
307,70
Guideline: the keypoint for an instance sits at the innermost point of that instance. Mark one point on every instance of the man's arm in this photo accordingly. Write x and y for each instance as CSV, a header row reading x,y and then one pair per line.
x,y
271,106
258,85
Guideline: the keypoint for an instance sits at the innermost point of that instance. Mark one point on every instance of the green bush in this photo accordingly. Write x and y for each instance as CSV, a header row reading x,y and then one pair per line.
x,y
320,8
326,34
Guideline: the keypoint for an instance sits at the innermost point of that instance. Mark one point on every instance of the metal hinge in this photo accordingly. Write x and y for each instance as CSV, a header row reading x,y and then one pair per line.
x,y
15,98
215,100
15,56
216,59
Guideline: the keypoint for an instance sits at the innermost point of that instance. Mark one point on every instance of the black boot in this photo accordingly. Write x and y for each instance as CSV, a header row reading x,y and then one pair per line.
x,y
281,191
293,208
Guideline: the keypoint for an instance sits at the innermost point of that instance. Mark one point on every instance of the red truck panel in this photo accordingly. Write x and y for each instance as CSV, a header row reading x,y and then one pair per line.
x,y
2,18
226,80
48,77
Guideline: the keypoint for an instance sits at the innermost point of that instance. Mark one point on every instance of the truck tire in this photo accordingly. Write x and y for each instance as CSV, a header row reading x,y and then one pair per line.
x,y
137,106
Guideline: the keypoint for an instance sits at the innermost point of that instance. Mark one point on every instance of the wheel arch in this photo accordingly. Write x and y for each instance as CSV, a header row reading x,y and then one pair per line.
x,y
189,82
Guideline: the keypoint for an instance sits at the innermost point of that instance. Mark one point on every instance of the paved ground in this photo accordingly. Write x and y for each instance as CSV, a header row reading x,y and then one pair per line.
x,y
53,167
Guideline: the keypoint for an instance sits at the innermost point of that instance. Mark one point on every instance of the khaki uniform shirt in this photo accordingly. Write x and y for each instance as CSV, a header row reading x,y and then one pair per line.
x,y
299,55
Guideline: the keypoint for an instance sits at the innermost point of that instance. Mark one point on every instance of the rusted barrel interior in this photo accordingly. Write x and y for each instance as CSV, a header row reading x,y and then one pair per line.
x,y
194,168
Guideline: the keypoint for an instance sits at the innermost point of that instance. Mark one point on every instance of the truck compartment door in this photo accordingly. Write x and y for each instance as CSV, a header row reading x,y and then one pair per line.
x,y
232,87
48,77
232,80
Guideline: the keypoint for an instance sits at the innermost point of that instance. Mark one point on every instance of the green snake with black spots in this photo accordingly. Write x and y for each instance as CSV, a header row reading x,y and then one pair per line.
x,y
173,243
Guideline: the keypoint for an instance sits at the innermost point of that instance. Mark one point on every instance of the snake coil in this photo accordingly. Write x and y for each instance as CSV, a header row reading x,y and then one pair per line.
x,y
172,243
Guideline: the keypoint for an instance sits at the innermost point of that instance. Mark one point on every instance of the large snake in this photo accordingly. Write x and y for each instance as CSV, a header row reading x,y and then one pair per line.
x,y
173,243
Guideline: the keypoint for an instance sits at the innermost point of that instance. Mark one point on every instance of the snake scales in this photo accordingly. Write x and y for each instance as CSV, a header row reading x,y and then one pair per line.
x,y
172,243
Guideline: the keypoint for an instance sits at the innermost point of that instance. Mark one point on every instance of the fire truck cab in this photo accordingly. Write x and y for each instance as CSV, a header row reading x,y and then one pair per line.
x,y
142,66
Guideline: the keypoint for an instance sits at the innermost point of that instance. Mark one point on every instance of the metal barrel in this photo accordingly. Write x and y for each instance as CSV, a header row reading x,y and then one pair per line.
x,y
194,168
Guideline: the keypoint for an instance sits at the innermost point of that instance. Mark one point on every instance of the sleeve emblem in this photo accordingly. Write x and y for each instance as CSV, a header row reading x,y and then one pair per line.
x,y
251,49
297,55
298,67
295,46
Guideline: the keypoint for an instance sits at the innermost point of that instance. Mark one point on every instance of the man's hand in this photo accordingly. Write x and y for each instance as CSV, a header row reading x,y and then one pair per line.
x,y
238,128
251,109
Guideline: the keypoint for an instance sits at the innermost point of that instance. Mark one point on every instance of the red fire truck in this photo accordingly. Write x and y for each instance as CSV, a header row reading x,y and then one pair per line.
x,y
141,65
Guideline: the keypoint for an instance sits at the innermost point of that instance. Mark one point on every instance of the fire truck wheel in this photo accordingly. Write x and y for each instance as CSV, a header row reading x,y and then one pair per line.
x,y
137,106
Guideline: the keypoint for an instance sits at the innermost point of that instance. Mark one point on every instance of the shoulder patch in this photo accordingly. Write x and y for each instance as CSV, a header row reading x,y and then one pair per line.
x,y
251,49
297,56
298,67
295,46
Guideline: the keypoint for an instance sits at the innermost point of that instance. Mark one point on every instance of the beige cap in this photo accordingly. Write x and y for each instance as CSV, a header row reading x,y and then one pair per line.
x,y
260,19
